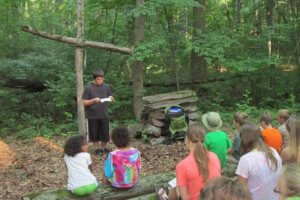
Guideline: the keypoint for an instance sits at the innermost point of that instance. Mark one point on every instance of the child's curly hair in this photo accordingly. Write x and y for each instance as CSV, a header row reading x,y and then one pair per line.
x,y
120,137
74,144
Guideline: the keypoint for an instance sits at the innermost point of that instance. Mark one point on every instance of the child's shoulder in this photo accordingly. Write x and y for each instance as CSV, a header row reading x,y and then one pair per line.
x,y
216,133
130,150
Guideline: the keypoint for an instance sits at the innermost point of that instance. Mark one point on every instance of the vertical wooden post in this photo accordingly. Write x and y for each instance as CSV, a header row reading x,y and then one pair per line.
x,y
137,70
79,65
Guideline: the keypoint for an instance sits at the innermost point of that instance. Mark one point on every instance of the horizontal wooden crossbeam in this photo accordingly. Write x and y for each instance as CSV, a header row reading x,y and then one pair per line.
x,y
74,41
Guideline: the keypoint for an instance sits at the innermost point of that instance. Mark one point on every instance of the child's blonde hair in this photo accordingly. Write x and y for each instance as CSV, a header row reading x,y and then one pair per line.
x,y
291,176
284,113
293,126
241,118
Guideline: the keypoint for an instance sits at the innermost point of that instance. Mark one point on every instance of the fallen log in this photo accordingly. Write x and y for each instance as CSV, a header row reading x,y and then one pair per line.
x,y
145,186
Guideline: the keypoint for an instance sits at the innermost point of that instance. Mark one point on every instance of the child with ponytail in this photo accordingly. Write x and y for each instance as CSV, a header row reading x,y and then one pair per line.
x,y
197,168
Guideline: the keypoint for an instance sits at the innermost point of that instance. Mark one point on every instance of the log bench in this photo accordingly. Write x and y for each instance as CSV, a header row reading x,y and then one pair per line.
x,y
145,189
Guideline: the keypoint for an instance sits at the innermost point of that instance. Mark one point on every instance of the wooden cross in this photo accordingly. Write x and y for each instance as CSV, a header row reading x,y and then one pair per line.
x,y
80,43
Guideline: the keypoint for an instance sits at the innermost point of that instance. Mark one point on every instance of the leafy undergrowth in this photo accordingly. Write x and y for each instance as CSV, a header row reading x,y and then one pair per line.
x,y
37,165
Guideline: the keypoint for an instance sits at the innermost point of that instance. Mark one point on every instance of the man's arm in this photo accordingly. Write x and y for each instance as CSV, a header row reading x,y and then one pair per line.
x,y
91,101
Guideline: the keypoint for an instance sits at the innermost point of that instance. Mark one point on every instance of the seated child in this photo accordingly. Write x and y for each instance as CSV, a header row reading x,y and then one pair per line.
x,y
289,182
224,188
292,152
122,166
239,119
78,162
259,166
197,168
271,136
283,116
216,141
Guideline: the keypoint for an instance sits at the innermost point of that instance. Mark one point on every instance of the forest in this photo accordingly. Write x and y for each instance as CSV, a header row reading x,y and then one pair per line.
x,y
237,55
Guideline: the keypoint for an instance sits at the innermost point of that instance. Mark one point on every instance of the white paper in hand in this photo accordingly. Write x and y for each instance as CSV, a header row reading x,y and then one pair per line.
x,y
105,100
173,183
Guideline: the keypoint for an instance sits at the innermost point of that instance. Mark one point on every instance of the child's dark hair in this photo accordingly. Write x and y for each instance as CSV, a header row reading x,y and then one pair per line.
x,y
223,188
74,144
266,118
120,137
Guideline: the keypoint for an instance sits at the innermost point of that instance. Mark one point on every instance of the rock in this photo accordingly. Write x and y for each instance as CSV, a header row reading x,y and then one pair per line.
x,y
194,116
156,123
155,114
136,129
160,140
152,130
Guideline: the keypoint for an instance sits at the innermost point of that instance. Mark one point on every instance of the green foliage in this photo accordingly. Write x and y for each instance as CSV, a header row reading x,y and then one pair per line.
x,y
240,74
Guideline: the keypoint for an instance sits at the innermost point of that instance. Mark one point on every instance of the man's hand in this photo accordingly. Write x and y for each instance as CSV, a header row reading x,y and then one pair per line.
x,y
96,100
112,98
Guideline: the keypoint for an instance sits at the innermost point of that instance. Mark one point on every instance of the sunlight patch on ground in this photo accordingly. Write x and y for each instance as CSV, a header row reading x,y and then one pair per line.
x,y
49,144
6,155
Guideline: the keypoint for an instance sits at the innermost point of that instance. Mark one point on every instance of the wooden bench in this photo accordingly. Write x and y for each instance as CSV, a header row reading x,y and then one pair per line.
x,y
145,189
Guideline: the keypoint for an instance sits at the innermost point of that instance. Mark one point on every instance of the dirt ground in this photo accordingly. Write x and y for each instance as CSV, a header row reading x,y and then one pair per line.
x,y
37,165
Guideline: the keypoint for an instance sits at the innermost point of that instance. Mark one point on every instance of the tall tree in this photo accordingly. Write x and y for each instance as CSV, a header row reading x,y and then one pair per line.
x,y
138,66
198,64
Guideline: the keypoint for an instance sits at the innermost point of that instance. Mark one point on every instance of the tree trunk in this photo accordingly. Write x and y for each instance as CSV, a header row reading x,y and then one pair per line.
x,y
79,66
198,63
238,15
137,71
257,18
270,5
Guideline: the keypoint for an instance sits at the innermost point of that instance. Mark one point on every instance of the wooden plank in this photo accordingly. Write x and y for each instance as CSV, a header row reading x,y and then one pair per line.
x,y
169,96
164,104
190,108
146,185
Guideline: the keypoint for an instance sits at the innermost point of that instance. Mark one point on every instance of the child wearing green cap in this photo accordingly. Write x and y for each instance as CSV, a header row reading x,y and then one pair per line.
x,y
216,141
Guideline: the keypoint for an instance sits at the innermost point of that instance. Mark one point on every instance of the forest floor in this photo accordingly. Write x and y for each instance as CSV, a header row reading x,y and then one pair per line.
x,y
37,165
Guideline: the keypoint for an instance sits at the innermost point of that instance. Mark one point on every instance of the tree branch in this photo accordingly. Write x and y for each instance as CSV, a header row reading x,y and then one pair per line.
x,y
73,41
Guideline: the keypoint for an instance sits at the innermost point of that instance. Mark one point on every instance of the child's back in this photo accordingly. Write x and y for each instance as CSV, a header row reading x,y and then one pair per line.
x,y
272,138
261,179
80,179
218,142
78,170
122,167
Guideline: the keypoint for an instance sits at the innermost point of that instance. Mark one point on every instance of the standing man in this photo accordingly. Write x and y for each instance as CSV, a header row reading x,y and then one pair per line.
x,y
95,98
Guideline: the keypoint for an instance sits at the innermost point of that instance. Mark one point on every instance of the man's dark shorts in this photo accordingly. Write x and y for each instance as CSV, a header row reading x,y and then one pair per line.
x,y
98,130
